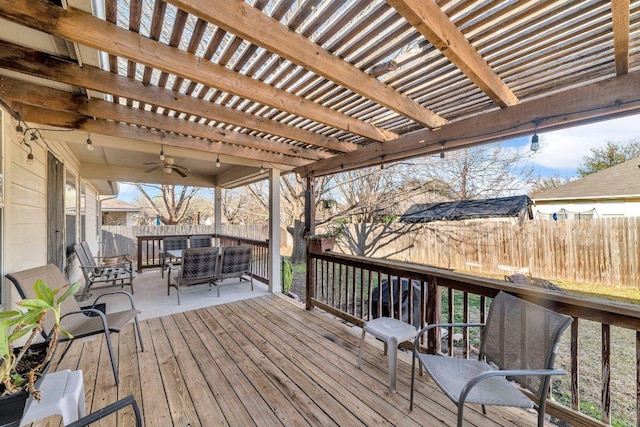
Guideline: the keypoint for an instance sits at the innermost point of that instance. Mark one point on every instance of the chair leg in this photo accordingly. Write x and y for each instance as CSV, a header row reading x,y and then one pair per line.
x,y
66,349
413,379
111,355
393,363
360,352
460,414
135,320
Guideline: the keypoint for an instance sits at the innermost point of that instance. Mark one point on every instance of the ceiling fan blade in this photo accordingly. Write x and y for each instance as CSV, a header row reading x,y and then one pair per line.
x,y
179,172
181,167
150,163
156,167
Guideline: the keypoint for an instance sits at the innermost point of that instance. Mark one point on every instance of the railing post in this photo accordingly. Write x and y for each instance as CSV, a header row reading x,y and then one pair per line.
x,y
309,225
139,260
434,302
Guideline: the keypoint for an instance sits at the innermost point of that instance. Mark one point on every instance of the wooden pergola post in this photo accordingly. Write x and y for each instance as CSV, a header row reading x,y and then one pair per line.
x,y
309,229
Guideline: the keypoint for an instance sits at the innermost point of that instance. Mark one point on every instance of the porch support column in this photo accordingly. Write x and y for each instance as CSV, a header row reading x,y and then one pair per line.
x,y
309,229
274,231
217,215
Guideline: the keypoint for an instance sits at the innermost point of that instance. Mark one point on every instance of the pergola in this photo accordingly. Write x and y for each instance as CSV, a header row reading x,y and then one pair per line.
x,y
315,87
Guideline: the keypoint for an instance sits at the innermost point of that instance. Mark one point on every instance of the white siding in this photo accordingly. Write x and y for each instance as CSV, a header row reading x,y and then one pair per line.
x,y
25,231
602,208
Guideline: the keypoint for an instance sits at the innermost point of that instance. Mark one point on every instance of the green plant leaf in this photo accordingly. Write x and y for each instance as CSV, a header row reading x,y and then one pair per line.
x,y
35,304
19,334
43,291
9,314
71,290
63,332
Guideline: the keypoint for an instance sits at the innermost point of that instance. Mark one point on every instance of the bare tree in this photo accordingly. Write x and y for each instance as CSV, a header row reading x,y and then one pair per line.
x,y
482,172
547,183
370,202
170,205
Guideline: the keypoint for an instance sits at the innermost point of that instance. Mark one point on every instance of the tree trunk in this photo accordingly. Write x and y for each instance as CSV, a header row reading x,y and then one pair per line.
x,y
299,254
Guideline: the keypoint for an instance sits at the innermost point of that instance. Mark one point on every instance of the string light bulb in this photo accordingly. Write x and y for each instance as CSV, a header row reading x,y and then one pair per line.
x,y
89,142
535,144
535,141
442,150
261,168
218,161
162,154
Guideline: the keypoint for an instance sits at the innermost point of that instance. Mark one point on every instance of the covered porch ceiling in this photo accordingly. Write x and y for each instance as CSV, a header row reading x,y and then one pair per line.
x,y
311,86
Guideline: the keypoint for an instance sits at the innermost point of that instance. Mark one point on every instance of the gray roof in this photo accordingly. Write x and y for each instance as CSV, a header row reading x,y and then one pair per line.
x,y
618,181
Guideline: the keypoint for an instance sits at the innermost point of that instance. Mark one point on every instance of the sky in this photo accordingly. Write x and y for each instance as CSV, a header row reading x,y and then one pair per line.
x,y
560,151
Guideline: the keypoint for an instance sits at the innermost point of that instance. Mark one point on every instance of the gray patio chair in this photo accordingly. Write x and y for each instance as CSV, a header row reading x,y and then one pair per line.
x,y
197,266
519,343
110,272
200,241
171,244
235,263
108,410
74,319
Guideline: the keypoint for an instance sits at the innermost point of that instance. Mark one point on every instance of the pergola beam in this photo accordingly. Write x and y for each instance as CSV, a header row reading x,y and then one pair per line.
x,y
620,18
81,27
435,26
61,119
46,66
253,25
54,99
617,96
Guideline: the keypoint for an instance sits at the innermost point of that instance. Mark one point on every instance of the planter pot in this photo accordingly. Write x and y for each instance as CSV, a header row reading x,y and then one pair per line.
x,y
318,245
12,406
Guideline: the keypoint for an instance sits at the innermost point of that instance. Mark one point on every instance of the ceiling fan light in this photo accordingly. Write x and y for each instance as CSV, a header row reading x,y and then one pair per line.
x,y
166,170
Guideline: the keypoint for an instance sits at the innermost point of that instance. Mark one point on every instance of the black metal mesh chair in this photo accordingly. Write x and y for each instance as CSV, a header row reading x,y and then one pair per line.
x,y
171,244
198,266
519,343
200,241
235,263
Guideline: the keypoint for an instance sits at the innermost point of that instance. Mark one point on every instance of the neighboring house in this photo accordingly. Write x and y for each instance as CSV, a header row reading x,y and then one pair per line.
x,y
118,212
612,192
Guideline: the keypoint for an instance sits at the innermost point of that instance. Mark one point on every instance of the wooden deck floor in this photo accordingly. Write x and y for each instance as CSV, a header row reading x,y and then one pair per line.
x,y
263,361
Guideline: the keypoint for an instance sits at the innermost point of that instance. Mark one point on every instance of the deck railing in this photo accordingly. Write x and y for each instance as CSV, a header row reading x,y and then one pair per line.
x,y
149,249
349,287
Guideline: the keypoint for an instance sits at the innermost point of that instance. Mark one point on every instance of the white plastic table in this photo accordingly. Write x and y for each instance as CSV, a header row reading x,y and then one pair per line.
x,y
62,394
392,332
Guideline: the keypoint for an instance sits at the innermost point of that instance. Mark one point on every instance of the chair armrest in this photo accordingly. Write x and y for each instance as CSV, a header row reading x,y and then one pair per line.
x,y
116,293
171,266
84,312
108,410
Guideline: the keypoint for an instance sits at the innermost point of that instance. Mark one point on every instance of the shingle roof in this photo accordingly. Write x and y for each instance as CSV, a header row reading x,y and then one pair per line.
x,y
622,180
119,205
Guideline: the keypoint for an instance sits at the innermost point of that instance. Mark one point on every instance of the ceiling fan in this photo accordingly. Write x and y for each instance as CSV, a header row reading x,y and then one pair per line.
x,y
167,164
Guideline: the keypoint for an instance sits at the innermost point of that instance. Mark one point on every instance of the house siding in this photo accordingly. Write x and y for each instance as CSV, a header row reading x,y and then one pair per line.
x,y
25,216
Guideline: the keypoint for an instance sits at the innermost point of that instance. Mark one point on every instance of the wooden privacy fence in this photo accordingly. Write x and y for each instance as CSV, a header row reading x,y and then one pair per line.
x,y
600,251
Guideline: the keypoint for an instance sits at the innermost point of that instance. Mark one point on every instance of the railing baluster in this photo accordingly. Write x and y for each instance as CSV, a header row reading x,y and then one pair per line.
x,y
451,319
465,331
575,366
606,373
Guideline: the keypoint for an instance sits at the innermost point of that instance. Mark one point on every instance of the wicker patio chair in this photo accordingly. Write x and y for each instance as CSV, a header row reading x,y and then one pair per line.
x,y
111,271
235,263
200,241
171,244
519,343
75,320
197,266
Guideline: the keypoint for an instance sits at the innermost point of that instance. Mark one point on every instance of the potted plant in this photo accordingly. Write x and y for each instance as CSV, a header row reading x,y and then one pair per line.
x,y
319,243
20,368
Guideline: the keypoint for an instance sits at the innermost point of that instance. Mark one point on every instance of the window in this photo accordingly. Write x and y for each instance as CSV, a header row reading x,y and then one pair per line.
x,y
83,212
